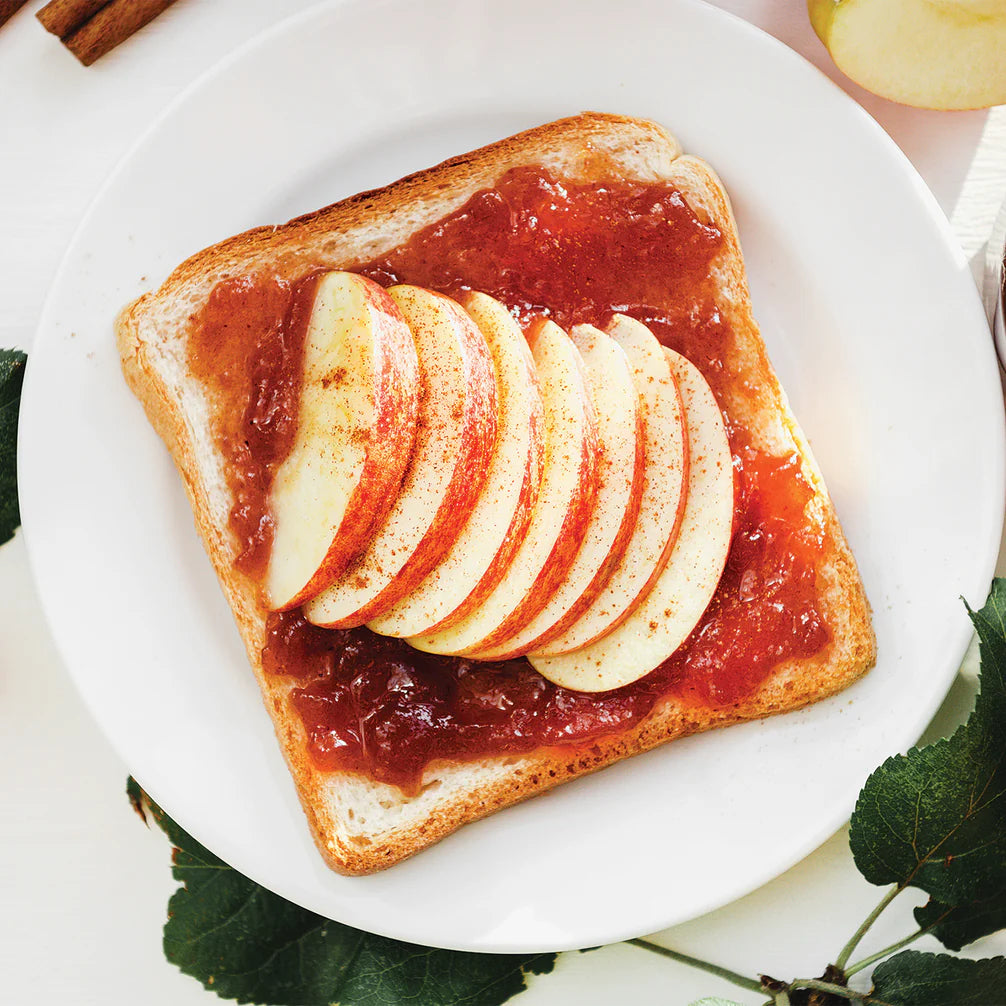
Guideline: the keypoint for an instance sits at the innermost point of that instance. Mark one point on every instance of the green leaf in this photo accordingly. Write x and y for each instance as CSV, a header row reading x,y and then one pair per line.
x,y
936,818
956,926
11,377
990,623
243,942
916,979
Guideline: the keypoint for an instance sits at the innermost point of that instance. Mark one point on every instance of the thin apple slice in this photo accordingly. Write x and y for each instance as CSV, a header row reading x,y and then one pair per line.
x,y
356,425
665,617
621,459
665,475
455,441
565,502
483,550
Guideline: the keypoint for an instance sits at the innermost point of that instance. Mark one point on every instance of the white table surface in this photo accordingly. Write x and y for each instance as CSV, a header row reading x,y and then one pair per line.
x,y
83,886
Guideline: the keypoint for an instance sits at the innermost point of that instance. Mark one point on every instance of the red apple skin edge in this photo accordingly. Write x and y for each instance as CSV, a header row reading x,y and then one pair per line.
x,y
396,379
629,603
617,548
478,441
570,536
521,519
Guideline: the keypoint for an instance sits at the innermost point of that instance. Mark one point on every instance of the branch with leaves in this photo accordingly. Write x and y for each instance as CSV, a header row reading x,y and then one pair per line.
x,y
934,819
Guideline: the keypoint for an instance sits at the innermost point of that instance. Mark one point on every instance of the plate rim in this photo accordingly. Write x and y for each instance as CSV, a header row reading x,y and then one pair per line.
x,y
263,41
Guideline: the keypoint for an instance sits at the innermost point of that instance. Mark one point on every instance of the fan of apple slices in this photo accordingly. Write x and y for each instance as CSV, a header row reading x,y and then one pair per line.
x,y
489,493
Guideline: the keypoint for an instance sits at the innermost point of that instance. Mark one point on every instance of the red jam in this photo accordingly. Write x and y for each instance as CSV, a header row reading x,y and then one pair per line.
x,y
246,346
374,704
575,253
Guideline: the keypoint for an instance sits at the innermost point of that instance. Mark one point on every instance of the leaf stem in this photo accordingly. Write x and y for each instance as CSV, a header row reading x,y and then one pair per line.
x,y
847,950
853,969
714,969
782,998
836,990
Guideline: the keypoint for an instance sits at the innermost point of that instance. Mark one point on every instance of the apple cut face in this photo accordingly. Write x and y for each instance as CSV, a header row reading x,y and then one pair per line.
x,y
356,425
565,502
942,54
621,459
665,617
455,441
479,557
665,474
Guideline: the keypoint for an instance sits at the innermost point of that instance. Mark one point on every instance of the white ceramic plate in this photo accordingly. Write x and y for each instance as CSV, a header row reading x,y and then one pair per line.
x,y
869,312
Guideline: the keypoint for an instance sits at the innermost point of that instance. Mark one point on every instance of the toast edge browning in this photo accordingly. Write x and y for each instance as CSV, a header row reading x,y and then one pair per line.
x,y
469,791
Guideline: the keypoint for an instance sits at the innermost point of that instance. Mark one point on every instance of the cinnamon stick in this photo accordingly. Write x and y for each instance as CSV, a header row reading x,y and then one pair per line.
x,y
108,24
63,17
8,8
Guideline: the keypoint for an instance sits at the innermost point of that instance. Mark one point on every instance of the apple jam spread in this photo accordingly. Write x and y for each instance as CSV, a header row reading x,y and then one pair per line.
x,y
246,346
575,253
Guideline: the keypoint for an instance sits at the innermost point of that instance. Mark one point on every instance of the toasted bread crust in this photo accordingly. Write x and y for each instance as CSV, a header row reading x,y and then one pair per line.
x,y
360,825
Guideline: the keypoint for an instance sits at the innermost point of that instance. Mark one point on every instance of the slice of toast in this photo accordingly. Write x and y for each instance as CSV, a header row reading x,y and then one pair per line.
x,y
361,825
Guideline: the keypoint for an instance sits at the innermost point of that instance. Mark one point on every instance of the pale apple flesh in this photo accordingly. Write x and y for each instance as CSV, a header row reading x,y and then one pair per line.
x,y
621,460
565,501
455,440
666,616
356,425
941,54
484,548
565,497
665,474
